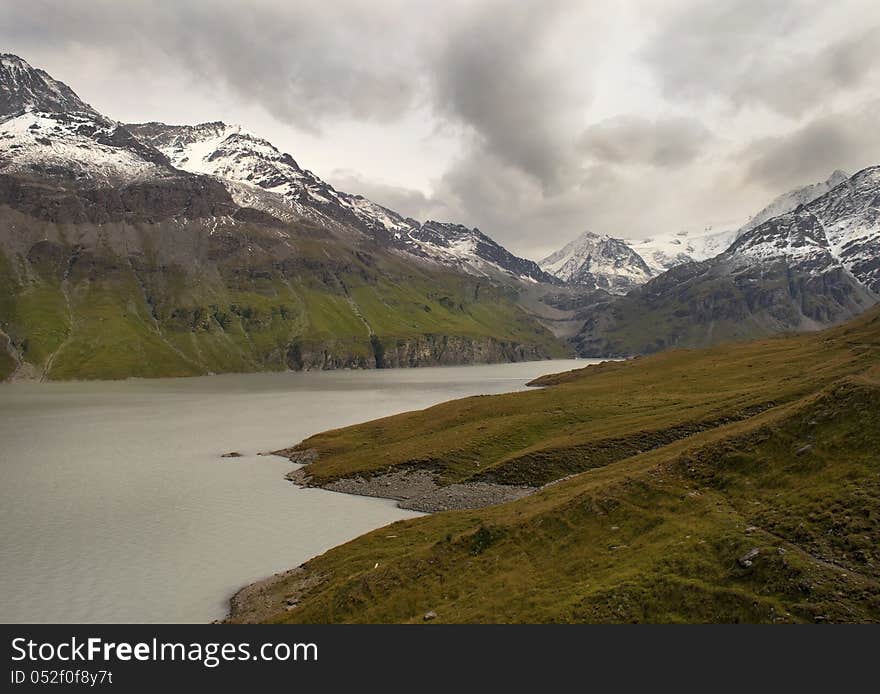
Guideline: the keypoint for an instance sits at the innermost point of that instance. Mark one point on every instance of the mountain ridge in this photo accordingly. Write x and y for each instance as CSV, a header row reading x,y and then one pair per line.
x,y
813,267
251,223
232,153
665,251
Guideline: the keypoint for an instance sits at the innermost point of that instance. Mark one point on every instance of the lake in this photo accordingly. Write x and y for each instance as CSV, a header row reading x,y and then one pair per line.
x,y
115,505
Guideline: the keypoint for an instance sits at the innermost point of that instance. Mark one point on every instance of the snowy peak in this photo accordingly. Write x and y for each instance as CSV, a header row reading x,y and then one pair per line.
x,y
235,155
25,88
473,251
797,238
839,228
666,251
47,131
218,149
598,261
258,174
77,147
789,201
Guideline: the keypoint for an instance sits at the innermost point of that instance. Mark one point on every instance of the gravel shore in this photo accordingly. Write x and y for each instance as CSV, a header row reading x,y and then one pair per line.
x,y
417,490
258,601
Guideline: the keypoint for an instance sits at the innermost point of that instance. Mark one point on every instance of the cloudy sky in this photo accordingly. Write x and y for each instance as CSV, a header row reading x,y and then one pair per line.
x,y
532,120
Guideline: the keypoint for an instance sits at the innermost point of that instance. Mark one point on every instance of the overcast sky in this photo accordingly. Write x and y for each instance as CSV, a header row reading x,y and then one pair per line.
x,y
532,120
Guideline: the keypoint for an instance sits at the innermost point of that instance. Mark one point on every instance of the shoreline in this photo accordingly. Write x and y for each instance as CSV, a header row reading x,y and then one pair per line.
x,y
34,377
414,490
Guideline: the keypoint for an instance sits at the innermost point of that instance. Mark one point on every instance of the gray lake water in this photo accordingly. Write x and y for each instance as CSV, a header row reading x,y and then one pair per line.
x,y
115,505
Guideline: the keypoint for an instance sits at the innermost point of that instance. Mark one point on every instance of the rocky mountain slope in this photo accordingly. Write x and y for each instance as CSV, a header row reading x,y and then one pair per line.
x,y
265,178
24,88
119,260
598,262
735,484
812,267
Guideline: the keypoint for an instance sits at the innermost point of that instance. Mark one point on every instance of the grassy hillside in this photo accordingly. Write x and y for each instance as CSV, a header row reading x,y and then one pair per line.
x,y
731,484
596,416
180,298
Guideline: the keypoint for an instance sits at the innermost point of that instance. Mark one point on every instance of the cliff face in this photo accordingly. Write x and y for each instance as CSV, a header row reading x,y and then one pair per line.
x,y
421,350
441,350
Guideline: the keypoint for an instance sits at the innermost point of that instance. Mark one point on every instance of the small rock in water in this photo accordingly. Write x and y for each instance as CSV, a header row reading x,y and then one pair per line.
x,y
745,560
231,454
429,616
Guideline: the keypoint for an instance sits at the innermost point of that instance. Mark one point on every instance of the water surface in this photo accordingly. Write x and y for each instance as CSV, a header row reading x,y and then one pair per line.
x,y
115,505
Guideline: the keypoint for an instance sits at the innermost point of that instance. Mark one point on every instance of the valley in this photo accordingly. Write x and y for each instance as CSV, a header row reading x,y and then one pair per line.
x,y
438,313
176,250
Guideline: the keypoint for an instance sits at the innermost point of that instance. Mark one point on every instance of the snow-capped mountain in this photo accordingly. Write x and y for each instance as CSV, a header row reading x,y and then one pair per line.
x,y
598,261
25,88
838,229
789,201
259,175
806,269
472,250
666,251
231,257
77,146
47,131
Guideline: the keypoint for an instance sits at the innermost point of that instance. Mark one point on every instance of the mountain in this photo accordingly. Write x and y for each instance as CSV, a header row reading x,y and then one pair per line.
x,y
263,177
48,132
735,484
157,251
792,199
666,251
809,268
598,262
24,88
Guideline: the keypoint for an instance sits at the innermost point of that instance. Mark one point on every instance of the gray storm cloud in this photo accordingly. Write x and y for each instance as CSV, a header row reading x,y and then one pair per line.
x,y
755,52
495,73
840,140
302,62
636,140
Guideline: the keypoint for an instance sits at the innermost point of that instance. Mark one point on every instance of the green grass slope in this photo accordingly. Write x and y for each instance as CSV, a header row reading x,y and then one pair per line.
x,y
594,416
763,505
